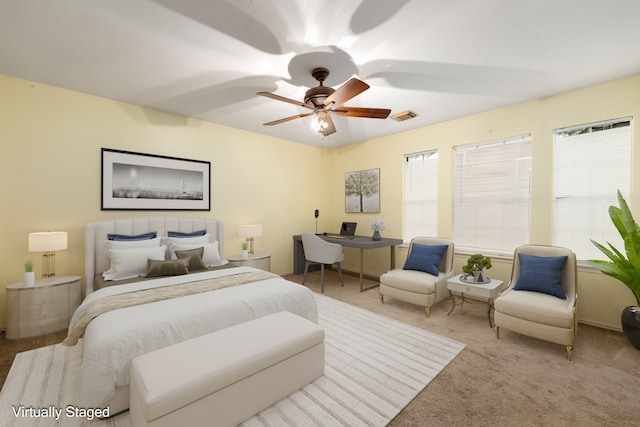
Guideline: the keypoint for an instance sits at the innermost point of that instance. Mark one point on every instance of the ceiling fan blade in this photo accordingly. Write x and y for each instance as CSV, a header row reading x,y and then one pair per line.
x,y
286,119
283,99
347,91
373,113
331,128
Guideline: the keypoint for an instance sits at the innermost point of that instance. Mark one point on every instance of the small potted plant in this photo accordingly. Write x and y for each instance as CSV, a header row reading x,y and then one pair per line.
x,y
624,266
245,253
476,264
377,225
29,276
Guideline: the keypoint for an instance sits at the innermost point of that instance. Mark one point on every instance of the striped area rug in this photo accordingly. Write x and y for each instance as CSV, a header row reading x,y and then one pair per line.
x,y
374,367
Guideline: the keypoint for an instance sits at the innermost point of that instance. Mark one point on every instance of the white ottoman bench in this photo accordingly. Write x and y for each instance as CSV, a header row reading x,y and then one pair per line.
x,y
226,377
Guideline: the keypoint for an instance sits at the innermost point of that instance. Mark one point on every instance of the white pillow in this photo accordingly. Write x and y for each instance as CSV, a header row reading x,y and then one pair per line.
x,y
211,255
129,263
130,244
169,241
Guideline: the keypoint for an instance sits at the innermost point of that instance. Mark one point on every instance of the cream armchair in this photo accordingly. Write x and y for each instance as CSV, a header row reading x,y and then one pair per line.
x,y
540,300
423,278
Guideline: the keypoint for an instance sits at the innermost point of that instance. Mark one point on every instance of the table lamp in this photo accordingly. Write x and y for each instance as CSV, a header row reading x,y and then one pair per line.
x,y
250,231
48,242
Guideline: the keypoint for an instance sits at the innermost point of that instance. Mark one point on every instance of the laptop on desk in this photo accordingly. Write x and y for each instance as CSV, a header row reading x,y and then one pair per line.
x,y
347,231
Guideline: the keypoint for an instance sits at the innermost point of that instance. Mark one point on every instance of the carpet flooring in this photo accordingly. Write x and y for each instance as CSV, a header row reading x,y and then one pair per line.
x,y
374,367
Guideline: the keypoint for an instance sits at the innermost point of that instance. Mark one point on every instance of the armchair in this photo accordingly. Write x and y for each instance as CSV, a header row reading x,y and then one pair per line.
x,y
541,299
423,278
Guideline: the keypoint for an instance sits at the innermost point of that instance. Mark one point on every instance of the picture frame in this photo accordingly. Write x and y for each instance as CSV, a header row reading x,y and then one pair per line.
x,y
362,191
139,181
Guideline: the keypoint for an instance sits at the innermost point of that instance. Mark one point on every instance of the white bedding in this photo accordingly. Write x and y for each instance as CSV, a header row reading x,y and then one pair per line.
x,y
113,339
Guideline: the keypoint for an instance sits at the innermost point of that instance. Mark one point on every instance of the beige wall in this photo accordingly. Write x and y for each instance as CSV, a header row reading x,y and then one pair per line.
x,y
600,298
50,174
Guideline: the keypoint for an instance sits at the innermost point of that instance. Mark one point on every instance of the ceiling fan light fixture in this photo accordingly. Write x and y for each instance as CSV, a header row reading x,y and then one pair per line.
x,y
405,115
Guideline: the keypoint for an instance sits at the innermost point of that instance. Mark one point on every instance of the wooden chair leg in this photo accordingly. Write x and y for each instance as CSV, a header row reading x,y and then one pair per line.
x,y
340,273
322,278
569,352
427,311
381,299
497,331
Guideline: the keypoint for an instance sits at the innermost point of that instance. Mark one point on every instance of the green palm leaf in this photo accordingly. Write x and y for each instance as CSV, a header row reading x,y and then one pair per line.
x,y
623,266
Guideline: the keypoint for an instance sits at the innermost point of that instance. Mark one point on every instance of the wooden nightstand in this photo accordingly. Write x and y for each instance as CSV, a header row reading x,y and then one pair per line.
x,y
41,309
261,261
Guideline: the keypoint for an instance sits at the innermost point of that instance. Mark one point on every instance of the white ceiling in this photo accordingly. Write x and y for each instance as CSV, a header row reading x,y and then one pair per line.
x,y
206,59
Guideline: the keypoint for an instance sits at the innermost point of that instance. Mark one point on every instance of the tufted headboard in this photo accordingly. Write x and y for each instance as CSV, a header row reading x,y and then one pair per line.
x,y
96,260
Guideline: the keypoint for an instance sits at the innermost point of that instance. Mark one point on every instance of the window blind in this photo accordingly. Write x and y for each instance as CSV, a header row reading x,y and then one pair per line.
x,y
421,195
591,162
492,195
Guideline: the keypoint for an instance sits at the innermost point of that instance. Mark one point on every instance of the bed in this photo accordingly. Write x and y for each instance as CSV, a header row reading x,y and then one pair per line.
x,y
199,302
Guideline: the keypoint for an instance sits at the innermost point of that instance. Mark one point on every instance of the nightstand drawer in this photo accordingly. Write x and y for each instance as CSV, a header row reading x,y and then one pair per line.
x,y
42,295
57,308
44,308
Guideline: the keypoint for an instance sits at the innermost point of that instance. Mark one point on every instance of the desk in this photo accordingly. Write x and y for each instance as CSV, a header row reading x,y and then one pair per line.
x,y
361,242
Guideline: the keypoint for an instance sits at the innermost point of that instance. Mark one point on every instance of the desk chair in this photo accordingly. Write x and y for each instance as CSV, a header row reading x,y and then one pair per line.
x,y
318,251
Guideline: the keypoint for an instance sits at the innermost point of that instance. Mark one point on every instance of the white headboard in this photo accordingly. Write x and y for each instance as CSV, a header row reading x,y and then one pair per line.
x,y
96,260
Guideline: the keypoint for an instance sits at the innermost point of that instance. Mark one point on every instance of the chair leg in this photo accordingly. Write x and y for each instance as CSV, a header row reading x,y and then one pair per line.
x,y
340,273
427,311
306,268
381,299
496,330
569,352
322,278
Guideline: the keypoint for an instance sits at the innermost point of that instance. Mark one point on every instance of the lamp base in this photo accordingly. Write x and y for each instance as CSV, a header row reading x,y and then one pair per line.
x,y
48,264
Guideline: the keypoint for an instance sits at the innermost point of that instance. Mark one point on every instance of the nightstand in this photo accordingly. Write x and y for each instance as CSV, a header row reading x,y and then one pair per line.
x,y
41,309
261,261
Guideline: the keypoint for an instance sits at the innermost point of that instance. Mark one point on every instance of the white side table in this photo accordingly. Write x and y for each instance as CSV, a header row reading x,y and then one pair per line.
x,y
261,261
41,309
480,290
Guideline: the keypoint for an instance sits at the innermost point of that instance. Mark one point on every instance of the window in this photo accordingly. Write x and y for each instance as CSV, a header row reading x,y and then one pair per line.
x,y
591,162
421,195
491,195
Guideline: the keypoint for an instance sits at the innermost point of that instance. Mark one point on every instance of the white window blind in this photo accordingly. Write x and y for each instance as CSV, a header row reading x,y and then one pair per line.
x,y
421,195
591,162
491,195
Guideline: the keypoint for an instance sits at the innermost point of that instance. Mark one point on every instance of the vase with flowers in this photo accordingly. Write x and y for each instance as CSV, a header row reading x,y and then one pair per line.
x,y
377,225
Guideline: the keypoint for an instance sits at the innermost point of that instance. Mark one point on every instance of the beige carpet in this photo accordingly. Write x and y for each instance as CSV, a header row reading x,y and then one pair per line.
x,y
374,367
513,381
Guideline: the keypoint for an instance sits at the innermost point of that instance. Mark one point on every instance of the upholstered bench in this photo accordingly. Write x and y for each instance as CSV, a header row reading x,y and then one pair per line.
x,y
227,376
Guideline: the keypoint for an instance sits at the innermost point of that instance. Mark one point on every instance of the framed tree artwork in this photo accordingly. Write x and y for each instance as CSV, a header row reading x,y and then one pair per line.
x,y
362,191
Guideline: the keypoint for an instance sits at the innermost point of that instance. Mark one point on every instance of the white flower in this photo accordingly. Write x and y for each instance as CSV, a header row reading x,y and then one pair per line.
x,y
377,224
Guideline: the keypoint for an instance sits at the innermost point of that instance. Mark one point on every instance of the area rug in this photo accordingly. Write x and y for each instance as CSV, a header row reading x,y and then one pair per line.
x,y
374,367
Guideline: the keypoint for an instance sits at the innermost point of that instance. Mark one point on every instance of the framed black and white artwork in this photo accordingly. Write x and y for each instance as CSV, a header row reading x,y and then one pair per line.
x,y
137,181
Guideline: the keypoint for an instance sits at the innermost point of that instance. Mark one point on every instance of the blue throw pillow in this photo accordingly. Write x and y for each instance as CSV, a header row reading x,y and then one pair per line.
x,y
541,274
197,233
125,237
425,258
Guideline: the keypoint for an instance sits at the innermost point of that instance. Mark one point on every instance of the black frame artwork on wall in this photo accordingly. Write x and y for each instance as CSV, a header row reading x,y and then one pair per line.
x,y
139,181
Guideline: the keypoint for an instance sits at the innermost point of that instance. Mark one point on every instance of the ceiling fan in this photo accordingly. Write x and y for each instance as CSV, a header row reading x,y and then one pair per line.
x,y
323,100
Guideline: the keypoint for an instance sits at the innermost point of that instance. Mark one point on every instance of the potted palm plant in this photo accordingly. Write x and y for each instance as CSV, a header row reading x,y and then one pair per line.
x,y
476,264
624,266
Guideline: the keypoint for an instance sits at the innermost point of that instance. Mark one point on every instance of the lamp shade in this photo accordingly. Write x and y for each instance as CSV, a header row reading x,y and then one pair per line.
x,y
250,230
47,241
